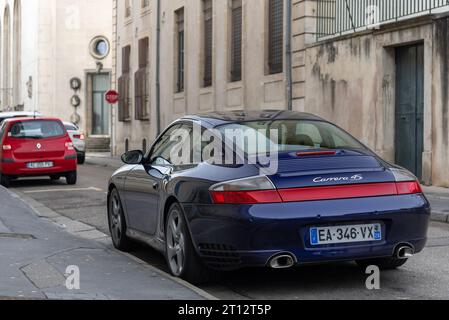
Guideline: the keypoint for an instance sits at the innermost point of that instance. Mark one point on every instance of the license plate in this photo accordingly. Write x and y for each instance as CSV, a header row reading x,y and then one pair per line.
x,y
39,165
345,234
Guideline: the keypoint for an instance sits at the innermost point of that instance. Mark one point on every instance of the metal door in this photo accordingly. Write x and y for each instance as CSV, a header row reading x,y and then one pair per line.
x,y
409,137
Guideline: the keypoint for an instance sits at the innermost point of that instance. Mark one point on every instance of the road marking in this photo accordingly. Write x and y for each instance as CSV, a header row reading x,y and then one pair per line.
x,y
63,190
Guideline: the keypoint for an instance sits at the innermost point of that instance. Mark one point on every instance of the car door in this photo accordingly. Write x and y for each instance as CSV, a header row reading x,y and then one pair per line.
x,y
143,185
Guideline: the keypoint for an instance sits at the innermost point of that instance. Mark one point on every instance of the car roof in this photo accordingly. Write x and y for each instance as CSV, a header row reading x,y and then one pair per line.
x,y
18,113
229,117
21,119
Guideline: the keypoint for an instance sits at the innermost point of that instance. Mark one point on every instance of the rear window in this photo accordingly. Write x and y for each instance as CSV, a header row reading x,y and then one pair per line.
x,y
70,127
41,129
293,135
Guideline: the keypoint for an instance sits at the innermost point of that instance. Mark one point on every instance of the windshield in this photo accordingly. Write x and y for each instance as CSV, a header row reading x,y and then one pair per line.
x,y
292,135
36,129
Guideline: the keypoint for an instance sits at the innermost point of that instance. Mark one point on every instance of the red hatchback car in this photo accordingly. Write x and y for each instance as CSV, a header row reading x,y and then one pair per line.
x,y
32,147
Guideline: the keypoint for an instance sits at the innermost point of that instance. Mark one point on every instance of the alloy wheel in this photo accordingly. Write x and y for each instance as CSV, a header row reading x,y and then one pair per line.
x,y
116,218
176,243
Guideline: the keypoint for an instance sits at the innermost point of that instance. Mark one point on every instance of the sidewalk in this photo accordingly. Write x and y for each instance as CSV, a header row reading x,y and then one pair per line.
x,y
103,159
35,253
439,199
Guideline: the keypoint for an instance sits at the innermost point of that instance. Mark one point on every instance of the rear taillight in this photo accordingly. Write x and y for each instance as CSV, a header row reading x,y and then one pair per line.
x,y
260,190
406,182
69,146
245,191
79,136
412,187
7,147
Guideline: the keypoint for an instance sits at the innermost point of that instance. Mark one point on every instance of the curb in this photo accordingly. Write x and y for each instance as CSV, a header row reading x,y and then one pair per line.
x,y
438,216
87,232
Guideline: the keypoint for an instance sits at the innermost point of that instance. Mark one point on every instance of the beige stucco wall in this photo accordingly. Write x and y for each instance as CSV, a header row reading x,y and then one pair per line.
x,y
351,81
256,90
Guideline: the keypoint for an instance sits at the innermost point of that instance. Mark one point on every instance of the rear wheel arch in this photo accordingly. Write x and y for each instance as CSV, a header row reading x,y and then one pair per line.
x,y
168,204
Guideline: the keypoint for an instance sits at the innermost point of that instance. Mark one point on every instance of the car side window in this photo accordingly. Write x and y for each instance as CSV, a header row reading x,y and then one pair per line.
x,y
2,130
160,154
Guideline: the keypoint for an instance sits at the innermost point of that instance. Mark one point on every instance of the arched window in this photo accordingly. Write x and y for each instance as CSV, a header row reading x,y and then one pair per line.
x,y
7,90
17,55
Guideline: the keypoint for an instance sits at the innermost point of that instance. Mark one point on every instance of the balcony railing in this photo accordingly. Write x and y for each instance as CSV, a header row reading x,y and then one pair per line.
x,y
338,17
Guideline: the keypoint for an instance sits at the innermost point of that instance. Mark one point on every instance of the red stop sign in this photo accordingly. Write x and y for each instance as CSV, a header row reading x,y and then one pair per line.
x,y
112,96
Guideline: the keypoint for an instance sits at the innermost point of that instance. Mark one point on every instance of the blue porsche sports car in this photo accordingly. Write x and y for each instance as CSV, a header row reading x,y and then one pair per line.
x,y
277,189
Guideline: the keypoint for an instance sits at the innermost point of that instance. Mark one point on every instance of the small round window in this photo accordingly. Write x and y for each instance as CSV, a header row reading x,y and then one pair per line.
x,y
99,47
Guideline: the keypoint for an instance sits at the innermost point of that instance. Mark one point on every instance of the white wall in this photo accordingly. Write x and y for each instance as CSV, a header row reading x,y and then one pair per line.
x,y
55,48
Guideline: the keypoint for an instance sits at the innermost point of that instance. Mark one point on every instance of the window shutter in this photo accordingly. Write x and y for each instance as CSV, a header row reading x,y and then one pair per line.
x,y
140,82
236,42
208,40
143,52
121,102
126,97
276,36
180,53
126,54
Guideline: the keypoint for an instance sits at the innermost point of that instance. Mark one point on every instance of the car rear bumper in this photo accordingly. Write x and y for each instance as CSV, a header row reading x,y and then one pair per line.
x,y
231,237
19,168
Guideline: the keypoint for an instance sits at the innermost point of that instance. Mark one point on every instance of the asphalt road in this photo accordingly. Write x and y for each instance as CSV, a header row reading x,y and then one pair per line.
x,y
426,276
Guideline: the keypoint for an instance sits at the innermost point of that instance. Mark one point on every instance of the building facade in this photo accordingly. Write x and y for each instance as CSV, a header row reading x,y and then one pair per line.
x,y
381,71
378,69
55,59
214,56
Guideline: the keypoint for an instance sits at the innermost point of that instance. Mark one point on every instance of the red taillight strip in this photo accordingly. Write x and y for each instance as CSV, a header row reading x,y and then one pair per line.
x,y
246,197
317,193
338,192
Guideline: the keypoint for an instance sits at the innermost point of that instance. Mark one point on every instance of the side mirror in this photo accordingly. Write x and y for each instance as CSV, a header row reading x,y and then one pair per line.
x,y
133,157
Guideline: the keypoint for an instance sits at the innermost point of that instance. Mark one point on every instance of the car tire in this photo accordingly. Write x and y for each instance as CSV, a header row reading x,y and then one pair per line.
x,y
81,159
5,180
383,263
182,258
117,223
71,178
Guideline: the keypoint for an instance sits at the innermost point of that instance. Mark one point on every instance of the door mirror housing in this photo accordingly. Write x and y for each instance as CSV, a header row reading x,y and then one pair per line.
x,y
133,157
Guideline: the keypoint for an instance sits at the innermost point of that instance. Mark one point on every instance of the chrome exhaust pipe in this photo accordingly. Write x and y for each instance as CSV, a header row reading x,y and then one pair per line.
x,y
283,261
405,252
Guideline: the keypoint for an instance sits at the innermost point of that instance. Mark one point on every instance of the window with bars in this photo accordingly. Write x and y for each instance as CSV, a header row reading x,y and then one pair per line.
x,y
179,34
141,82
275,36
208,40
236,40
124,86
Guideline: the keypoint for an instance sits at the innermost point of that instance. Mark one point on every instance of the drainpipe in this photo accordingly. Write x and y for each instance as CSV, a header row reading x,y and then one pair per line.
x,y
289,56
158,68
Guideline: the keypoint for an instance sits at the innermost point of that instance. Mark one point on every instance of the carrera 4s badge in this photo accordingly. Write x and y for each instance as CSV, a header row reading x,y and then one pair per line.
x,y
356,177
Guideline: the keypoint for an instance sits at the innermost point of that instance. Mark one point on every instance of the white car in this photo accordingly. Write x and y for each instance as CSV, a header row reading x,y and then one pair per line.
x,y
21,114
78,140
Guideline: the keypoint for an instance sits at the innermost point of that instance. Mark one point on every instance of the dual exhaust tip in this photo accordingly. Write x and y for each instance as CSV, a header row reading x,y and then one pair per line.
x,y
282,261
404,252
287,260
